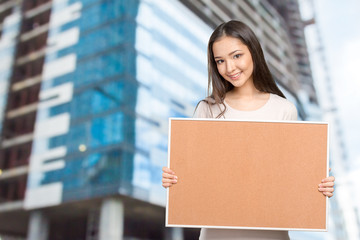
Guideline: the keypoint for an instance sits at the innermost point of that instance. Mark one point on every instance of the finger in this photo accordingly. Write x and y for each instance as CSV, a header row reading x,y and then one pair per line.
x,y
328,179
166,185
167,175
166,180
168,170
328,194
329,169
326,184
331,190
326,191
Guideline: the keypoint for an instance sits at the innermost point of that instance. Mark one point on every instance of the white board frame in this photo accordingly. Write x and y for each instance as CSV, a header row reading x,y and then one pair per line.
x,y
240,227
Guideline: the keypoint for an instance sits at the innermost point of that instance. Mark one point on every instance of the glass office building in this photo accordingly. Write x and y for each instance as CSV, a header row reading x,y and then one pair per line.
x,y
113,74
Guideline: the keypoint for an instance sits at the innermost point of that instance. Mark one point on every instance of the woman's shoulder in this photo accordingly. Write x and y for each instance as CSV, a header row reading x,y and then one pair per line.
x,y
287,107
205,108
281,101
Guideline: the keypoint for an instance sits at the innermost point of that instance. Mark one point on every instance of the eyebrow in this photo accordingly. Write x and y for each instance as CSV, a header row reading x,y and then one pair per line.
x,y
230,53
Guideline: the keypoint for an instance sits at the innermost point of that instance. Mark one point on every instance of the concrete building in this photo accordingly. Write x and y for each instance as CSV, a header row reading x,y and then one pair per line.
x,y
87,87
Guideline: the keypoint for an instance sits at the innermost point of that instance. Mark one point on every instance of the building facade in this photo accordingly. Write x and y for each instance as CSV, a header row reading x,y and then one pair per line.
x,y
344,215
87,87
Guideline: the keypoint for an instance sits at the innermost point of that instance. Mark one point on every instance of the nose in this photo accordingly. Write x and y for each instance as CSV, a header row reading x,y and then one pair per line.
x,y
230,66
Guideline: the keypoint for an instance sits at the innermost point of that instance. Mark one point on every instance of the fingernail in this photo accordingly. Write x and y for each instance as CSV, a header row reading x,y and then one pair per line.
x,y
175,177
322,180
320,186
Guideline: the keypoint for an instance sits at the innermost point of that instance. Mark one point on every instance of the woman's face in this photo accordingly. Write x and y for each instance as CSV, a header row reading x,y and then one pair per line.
x,y
234,61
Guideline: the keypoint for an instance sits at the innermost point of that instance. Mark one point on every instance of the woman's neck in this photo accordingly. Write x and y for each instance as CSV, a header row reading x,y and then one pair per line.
x,y
247,91
246,98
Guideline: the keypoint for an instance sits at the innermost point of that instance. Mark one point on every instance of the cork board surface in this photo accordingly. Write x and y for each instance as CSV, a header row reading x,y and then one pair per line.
x,y
246,174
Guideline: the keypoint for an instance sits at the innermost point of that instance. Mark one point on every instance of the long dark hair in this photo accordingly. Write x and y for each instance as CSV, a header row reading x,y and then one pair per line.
x,y
262,78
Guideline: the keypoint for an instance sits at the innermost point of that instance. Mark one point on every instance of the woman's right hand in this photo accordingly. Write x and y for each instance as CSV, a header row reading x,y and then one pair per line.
x,y
168,177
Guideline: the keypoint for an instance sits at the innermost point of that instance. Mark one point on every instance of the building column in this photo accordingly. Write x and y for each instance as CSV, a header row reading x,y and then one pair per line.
x,y
111,219
174,233
38,228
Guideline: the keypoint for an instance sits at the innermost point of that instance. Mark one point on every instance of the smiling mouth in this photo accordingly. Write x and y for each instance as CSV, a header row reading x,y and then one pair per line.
x,y
234,76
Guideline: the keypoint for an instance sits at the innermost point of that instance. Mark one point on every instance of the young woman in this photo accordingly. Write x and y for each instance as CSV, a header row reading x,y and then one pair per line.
x,y
241,87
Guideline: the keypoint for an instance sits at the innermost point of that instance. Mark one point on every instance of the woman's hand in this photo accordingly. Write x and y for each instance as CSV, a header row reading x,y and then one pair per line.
x,y
168,177
327,186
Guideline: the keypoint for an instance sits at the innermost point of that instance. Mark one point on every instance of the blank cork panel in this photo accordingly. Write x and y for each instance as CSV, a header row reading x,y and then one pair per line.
x,y
247,175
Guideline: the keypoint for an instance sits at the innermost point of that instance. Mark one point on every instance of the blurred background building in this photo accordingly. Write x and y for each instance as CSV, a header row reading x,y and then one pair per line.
x,y
344,207
86,89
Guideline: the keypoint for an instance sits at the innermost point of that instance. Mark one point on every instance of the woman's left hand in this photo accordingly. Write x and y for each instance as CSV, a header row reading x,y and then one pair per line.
x,y
327,186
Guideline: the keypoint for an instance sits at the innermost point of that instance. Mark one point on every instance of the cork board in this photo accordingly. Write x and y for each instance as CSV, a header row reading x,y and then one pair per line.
x,y
247,174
